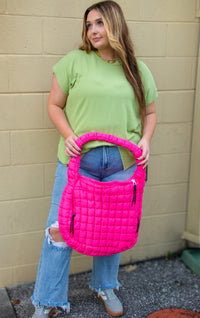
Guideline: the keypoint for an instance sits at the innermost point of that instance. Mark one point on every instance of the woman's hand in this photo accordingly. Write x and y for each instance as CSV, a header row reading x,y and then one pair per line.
x,y
71,148
145,147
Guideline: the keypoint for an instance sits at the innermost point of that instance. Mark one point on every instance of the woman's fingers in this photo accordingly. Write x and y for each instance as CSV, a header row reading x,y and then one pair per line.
x,y
70,153
71,148
144,158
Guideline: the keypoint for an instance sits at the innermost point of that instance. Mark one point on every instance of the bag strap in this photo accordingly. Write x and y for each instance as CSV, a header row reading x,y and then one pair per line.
x,y
74,164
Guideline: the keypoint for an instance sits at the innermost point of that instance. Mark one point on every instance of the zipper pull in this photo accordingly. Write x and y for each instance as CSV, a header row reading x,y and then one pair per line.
x,y
72,224
134,192
138,225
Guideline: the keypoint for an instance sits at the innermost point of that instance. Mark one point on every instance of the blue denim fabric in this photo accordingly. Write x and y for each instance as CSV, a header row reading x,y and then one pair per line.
x,y
51,288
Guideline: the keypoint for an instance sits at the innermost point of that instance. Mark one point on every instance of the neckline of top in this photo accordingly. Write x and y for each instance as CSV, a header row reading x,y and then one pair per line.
x,y
110,62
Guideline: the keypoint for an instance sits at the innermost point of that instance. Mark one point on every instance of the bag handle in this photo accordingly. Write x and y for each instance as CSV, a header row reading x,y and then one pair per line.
x,y
74,163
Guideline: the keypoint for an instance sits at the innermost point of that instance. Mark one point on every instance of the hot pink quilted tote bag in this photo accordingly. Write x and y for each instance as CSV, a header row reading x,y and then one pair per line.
x,y
101,218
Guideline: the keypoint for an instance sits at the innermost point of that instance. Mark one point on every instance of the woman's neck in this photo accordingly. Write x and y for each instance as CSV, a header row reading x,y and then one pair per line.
x,y
107,54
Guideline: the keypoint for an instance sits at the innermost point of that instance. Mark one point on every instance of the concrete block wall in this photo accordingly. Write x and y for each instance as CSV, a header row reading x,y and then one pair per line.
x,y
34,36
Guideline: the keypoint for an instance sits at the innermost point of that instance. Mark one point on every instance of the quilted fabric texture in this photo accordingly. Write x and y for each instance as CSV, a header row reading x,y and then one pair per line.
x,y
101,218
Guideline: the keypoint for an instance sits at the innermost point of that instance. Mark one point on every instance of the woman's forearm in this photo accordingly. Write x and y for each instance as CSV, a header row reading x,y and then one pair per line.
x,y
149,122
58,118
149,126
148,130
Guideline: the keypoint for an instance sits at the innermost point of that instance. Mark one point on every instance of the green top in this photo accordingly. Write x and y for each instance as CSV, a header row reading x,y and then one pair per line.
x,y
100,99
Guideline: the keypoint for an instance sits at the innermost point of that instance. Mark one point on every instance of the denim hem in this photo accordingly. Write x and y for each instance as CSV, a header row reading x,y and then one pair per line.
x,y
64,306
98,290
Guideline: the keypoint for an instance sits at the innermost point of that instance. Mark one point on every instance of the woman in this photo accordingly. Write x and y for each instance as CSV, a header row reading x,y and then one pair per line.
x,y
100,87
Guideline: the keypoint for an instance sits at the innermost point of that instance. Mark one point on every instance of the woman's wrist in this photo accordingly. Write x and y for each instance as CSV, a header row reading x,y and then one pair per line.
x,y
147,139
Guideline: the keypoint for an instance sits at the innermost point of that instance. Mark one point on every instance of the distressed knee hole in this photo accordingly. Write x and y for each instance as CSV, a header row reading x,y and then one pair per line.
x,y
54,236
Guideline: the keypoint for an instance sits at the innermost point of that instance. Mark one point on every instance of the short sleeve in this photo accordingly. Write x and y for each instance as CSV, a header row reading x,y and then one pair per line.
x,y
63,72
150,90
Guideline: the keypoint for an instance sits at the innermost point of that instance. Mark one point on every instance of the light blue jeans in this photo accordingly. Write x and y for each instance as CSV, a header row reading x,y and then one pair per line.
x,y
51,287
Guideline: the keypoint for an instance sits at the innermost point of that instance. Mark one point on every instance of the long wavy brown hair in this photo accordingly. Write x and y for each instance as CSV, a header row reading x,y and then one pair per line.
x,y
120,41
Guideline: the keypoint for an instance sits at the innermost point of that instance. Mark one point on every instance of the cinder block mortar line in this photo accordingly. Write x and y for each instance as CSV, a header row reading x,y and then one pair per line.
x,y
5,165
32,129
25,93
22,233
159,245
177,90
44,109
32,54
29,198
175,122
162,185
163,22
10,147
25,199
169,214
30,164
46,54
22,15
42,38
152,155
47,92
168,154
164,123
17,266
40,16
195,21
42,129
144,57
44,177
166,184
148,217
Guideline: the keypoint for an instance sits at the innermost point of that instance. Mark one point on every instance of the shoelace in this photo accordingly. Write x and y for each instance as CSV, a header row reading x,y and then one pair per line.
x,y
42,309
108,293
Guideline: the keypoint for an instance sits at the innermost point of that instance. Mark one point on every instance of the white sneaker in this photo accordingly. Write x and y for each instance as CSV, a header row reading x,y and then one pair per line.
x,y
111,302
43,312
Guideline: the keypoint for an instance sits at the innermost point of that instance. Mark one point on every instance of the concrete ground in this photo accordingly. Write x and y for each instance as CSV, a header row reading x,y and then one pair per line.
x,y
146,287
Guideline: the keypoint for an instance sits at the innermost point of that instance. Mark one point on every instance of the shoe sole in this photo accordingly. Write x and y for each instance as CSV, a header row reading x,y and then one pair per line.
x,y
51,312
114,314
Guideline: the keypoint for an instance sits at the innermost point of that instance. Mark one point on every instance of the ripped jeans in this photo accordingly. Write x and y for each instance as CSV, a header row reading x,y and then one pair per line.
x,y
51,287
